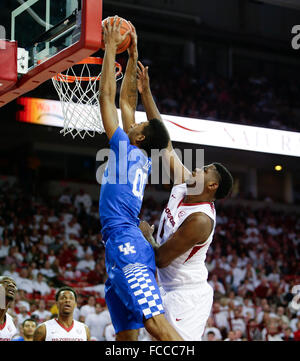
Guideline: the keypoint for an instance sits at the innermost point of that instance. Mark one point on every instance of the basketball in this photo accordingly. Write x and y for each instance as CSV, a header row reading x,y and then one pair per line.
x,y
123,29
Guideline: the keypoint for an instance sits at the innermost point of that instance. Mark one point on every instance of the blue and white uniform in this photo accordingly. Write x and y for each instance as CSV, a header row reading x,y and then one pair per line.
x,y
131,291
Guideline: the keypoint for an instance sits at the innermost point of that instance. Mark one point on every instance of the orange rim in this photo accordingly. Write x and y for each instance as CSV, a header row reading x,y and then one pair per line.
x,y
90,60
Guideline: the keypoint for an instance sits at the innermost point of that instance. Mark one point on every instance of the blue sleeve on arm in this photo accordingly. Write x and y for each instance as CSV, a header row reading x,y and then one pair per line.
x,y
118,136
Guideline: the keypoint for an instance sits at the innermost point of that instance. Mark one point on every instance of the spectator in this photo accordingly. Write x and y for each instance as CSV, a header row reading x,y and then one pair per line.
x,y
220,317
211,329
271,332
237,322
12,273
47,271
23,314
89,307
24,282
87,264
98,321
253,331
65,197
96,276
297,332
255,275
294,322
287,334
71,273
41,313
210,336
27,329
216,285
4,249
109,333
230,336
83,199
236,275
72,228
281,315
41,286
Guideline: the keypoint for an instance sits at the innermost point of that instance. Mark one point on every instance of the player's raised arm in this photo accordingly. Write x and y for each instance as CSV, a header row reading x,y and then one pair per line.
x,y
112,39
178,172
128,93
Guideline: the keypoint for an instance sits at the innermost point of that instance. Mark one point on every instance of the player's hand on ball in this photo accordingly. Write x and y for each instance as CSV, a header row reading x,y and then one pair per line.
x,y
112,35
143,83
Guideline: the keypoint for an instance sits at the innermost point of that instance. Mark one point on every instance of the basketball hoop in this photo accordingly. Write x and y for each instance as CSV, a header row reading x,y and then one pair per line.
x,y
79,97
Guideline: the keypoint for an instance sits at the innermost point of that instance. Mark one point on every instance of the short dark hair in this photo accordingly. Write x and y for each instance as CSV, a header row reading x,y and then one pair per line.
x,y
156,136
226,181
29,319
65,288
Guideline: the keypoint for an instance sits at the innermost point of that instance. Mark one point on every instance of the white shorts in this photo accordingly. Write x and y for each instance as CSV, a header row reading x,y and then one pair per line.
x,y
188,310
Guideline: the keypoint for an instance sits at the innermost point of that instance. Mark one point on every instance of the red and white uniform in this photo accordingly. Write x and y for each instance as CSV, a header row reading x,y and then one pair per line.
x,y
187,296
57,332
7,329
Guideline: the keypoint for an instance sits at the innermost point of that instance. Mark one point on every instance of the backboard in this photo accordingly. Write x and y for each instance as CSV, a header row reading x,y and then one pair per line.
x,y
51,36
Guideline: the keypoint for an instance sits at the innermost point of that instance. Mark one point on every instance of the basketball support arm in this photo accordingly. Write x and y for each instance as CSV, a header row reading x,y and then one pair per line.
x,y
178,172
129,93
107,85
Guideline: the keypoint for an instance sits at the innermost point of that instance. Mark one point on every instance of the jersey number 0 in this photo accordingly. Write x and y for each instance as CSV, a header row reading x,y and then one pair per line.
x,y
139,183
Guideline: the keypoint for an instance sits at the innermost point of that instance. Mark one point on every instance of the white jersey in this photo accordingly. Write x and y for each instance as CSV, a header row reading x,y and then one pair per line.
x,y
57,332
187,270
7,329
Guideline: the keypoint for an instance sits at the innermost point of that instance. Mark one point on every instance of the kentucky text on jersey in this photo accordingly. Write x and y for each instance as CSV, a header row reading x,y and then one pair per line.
x,y
123,184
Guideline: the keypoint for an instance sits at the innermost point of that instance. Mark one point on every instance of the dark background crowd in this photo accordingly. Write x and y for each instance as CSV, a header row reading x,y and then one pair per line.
x,y
251,99
253,263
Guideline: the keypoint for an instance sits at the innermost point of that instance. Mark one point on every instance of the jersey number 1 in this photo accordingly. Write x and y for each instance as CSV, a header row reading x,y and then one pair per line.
x,y
139,183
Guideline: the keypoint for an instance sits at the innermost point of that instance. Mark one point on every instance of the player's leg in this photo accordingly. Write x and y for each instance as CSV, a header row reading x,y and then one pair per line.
x,y
127,335
161,329
125,330
132,283
188,310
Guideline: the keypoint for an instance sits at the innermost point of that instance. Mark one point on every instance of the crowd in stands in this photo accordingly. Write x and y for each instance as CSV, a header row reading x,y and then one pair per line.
x,y
250,100
253,264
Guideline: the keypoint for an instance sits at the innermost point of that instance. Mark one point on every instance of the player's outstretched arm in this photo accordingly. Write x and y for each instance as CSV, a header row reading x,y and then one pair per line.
x,y
194,230
112,39
40,333
178,172
128,93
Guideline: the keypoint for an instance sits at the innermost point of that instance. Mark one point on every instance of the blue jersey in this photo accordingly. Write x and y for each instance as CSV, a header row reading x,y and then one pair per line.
x,y
123,184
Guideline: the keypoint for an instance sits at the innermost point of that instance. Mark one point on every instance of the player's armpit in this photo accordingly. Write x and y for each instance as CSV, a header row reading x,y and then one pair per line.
x,y
194,230
40,333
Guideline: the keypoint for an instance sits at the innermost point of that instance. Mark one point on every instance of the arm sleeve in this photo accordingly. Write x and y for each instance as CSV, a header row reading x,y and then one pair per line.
x,y
118,136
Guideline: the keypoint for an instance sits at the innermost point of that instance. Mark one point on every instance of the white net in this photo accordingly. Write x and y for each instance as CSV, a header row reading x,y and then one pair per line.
x,y
78,90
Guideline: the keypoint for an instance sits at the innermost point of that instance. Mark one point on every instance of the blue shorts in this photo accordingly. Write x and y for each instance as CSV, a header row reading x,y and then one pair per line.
x,y
131,290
